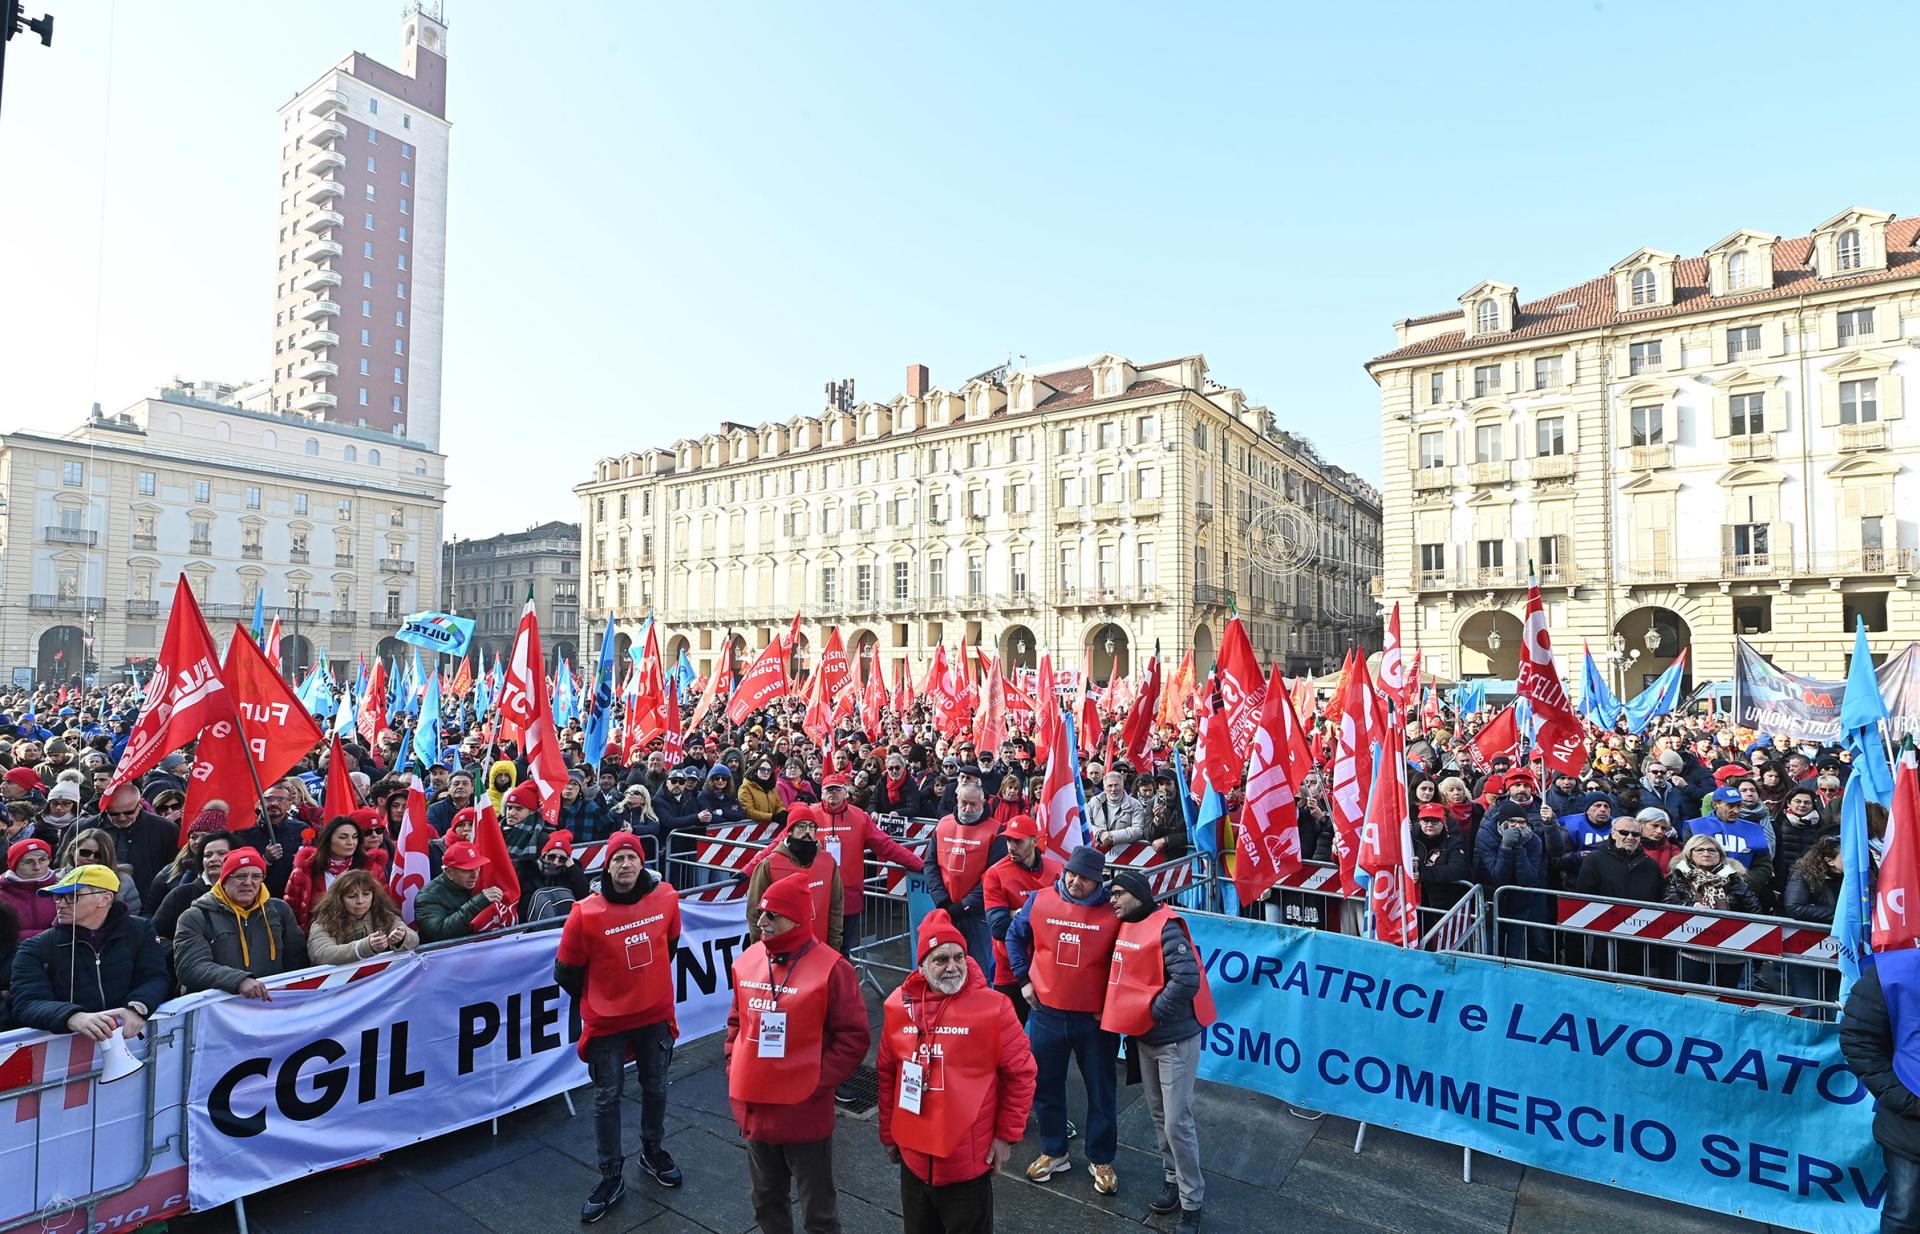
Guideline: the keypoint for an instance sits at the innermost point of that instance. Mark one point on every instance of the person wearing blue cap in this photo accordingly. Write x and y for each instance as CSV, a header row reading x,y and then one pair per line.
x,y
1740,838
97,969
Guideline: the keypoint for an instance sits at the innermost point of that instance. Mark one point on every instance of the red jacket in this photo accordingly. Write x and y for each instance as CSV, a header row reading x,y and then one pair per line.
x,y
1002,1115
865,836
843,1047
304,890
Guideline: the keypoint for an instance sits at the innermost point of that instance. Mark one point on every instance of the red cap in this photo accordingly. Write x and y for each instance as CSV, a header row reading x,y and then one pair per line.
x,y
1433,809
1021,827
1520,775
526,793
242,859
1731,772
20,848
836,780
789,898
562,840
23,777
460,856
937,929
364,817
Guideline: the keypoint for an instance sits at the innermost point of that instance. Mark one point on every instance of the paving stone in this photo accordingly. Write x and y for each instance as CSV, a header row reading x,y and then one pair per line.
x,y
715,1191
1550,1203
542,1191
1489,1169
1243,1135
449,1160
1393,1192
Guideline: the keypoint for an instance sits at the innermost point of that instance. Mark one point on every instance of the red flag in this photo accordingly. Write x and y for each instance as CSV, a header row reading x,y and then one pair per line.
x,y
463,679
1213,760
903,698
949,697
185,695
1173,702
372,720
962,669
817,721
1393,666
1267,841
833,669
1385,849
1243,688
675,744
875,699
340,799
1088,723
1896,896
273,645
278,733
1057,810
765,681
1047,700
499,871
1499,737
412,866
722,671
1352,779
1413,678
524,705
990,720
1560,740
1293,740
792,641
647,710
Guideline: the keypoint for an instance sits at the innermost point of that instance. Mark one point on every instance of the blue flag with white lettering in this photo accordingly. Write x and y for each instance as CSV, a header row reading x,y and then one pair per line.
x,y
600,717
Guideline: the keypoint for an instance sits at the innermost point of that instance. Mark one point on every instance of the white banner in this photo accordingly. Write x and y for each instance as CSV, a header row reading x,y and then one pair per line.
x,y
428,1044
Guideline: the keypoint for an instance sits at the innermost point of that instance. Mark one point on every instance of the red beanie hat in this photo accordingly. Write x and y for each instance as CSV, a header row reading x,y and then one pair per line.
x,y
563,840
241,859
935,929
20,848
788,897
618,841
525,794
24,778
466,816
364,818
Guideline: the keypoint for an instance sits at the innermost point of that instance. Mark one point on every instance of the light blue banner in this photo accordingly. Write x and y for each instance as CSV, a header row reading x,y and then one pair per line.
x,y
1702,1103
441,632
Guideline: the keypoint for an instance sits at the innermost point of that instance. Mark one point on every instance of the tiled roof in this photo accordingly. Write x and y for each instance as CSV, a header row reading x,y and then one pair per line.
x,y
1074,388
1590,305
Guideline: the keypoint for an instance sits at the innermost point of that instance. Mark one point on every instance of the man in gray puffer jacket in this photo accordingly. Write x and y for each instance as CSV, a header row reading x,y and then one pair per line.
x,y
237,933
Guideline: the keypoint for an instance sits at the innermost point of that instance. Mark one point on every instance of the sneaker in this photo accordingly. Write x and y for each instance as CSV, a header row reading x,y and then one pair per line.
x,y
656,1161
1167,1200
1105,1181
846,1095
1189,1222
601,1198
1045,1167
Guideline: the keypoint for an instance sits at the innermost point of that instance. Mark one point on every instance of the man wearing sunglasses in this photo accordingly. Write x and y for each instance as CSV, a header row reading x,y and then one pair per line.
x,y
96,970
141,838
275,836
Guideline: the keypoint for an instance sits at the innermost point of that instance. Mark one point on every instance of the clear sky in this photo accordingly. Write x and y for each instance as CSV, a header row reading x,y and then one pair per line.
x,y
666,215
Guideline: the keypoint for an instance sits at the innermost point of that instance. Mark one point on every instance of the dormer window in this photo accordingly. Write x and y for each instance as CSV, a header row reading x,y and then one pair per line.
x,y
1646,287
1846,249
1737,271
1486,318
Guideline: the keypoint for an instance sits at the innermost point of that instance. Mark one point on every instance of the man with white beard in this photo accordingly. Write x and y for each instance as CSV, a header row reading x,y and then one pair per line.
x,y
956,1085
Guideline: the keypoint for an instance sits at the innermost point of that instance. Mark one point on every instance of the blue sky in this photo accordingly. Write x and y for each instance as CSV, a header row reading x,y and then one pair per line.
x,y
663,216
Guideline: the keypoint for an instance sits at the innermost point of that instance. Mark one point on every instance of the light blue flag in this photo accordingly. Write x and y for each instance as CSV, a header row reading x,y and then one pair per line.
x,y
343,726
684,671
259,614
600,719
1658,699
1862,712
566,697
409,700
426,734
1851,911
482,695
1597,702
1206,839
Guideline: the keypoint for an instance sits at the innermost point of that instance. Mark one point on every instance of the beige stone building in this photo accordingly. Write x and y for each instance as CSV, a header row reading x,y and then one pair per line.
x,y
337,526
1688,448
488,580
1091,508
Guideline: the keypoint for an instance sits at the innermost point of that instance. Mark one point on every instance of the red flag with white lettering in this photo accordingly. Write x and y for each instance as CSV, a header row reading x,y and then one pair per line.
x,y
1136,734
990,720
1896,894
523,702
372,720
1385,849
1352,774
1057,809
903,697
1560,738
274,731
834,669
675,742
765,681
412,867
272,647
874,701
1499,737
185,695
722,671
1393,665
499,870
1267,841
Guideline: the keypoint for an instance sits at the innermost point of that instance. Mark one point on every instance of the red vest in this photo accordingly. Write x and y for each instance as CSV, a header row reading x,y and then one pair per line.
x,y
1072,947
1008,885
802,995
961,1055
627,950
1139,972
819,876
963,851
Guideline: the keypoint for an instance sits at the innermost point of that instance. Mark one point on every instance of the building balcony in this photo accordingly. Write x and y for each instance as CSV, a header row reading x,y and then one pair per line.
x,y
343,559
321,250
67,604
1106,511
320,193
1203,511
1019,522
253,552
1107,597
299,556
318,310
1558,574
200,548
322,220
1146,507
341,617
70,535
1472,577
383,621
1500,472
1426,479
1649,458
146,541
315,340
1068,515
1754,449
1553,467
393,565
323,163
326,103
972,602
1863,561
974,524
1857,437
1020,600
1206,595
318,400
314,370
320,132
143,608
319,279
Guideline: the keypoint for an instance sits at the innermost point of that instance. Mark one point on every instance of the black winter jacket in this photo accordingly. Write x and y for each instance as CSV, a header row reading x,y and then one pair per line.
x,y
1866,1040
1608,871
126,966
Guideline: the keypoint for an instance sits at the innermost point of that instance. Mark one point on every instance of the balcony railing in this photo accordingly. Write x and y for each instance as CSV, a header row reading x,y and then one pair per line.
x,y
973,602
1107,597
1108,510
202,547
299,556
1751,449
253,552
1206,595
67,604
1019,522
393,565
1146,507
343,559
143,608
1427,478
383,621
1856,437
1863,561
341,617
1553,467
70,535
1649,458
1203,511
147,540
1068,514
1492,473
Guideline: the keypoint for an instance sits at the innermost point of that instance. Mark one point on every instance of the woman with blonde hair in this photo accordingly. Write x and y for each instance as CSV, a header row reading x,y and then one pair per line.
x,y
356,920
1703,876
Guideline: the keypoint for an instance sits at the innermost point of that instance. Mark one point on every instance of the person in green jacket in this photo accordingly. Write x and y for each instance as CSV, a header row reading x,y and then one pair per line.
x,y
448,906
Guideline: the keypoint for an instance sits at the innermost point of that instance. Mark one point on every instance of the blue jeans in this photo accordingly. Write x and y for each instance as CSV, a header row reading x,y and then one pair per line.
x,y
1900,1207
1056,1037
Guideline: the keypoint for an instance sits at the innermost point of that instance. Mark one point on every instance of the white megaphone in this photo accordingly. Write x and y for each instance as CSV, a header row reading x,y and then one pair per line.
x,y
117,1061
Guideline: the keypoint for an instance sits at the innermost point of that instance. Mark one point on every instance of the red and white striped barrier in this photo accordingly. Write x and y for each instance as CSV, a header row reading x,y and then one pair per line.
x,y
732,856
334,978
1144,858
1649,923
1316,878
